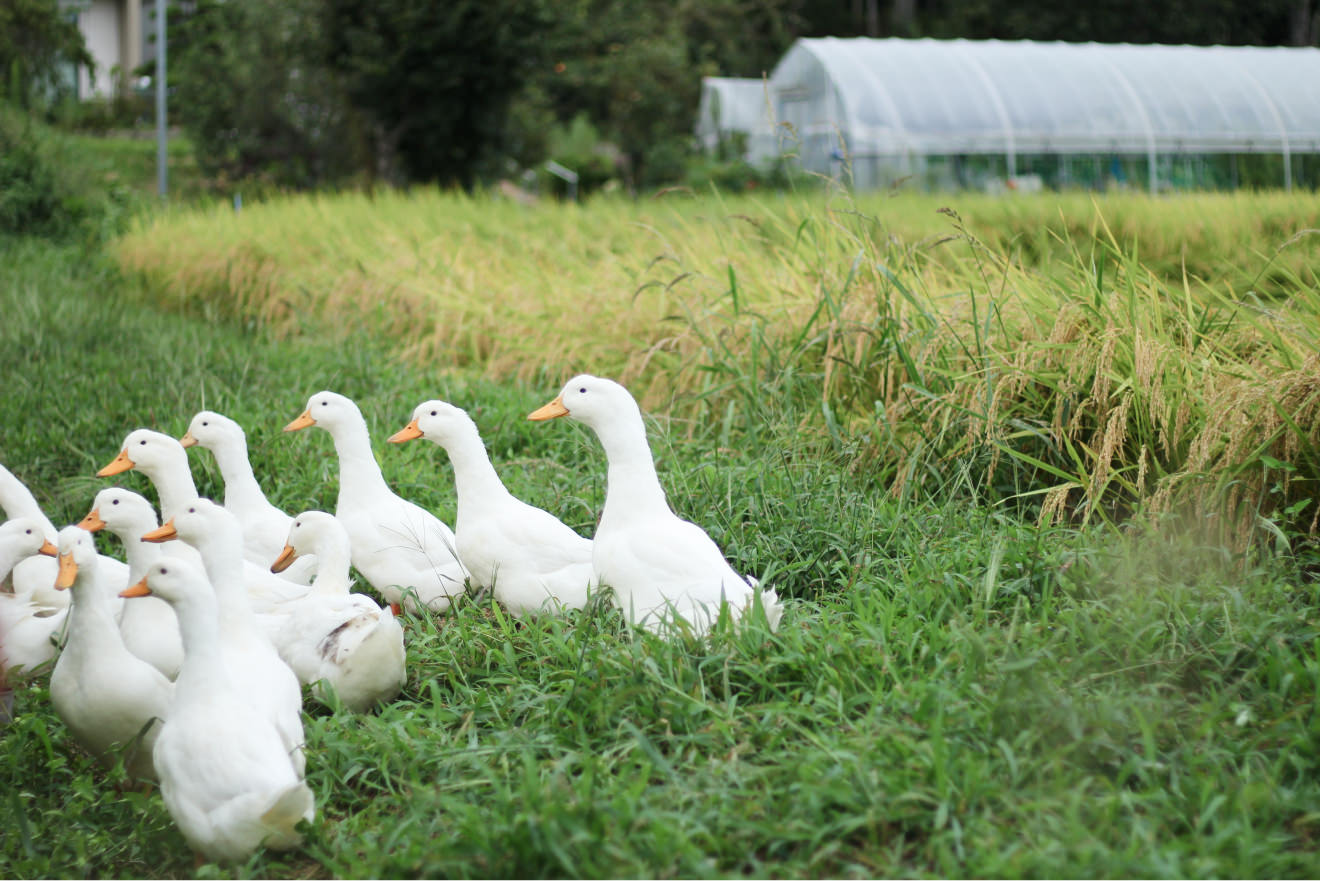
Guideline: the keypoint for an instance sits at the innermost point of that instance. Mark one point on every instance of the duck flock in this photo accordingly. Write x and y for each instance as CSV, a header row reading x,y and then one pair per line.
x,y
188,658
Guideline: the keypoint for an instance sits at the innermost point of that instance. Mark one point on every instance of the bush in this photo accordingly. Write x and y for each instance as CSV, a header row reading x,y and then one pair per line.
x,y
34,199
740,176
50,187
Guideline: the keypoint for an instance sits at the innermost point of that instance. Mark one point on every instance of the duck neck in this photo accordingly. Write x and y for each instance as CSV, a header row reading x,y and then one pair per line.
x,y
222,558
475,479
203,668
92,626
17,501
141,554
11,557
632,486
174,485
241,487
332,559
359,473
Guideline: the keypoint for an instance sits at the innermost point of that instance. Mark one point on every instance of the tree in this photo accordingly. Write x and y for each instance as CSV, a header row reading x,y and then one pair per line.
x,y
254,95
37,42
436,80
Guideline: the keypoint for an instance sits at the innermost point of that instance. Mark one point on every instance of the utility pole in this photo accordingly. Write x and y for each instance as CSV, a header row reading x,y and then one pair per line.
x,y
162,129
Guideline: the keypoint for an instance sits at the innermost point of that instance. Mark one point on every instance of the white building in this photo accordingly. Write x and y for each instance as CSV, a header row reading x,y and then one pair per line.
x,y
113,31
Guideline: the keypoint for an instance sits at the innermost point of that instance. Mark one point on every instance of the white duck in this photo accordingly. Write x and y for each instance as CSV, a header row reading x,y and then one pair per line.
x,y
264,525
28,632
149,626
658,564
34,577
165,463
259,674
528,558
333,636
224,770
107,696
397,546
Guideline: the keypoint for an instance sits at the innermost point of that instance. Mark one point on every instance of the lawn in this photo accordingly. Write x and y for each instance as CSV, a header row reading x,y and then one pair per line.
x,y
959,687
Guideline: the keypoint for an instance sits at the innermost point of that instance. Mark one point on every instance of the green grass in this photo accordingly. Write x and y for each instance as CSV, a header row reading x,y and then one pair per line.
x,y
953,691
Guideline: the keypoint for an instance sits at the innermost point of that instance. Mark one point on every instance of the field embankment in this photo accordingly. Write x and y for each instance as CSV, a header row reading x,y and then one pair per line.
x,y
1084,357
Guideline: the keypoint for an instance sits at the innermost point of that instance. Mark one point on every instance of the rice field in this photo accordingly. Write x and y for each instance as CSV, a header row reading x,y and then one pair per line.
x,y
1077,357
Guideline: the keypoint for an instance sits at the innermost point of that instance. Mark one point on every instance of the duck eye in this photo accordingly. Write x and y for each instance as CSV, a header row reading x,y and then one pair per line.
x,y
582,391
324,403
164,571
142,442
204,424
29,532
432,412
114,501
192,510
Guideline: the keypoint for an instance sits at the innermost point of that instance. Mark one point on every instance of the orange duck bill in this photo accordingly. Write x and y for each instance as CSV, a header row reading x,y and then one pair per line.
x,y
303,421
47,549
67,574
162,533
138,590
284,560
187,440
405,434
92,522
118,465
552,410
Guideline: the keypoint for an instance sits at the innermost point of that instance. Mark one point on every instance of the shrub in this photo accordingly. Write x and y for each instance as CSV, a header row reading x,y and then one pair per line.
x,y
33,195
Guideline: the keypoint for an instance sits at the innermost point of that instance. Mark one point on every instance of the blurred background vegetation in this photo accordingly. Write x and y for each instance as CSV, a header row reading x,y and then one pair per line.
x,y
298,94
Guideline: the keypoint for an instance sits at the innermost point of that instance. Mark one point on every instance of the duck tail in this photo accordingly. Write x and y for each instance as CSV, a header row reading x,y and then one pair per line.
x,y
292,804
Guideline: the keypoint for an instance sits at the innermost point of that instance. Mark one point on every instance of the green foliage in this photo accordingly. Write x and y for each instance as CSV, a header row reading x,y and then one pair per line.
x,y
436,82
50,186
952,692
37,40
254,96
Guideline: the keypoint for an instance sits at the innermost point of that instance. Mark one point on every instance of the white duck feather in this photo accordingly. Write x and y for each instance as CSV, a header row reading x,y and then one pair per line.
x,y
262,678
333,638
659,565
149,626
528,558
29,633
401,550
109,697
264,525
165,463
224,769
34,577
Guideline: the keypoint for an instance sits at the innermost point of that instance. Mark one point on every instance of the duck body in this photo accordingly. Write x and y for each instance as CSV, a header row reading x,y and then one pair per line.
x,y
149,627
333,638
105,694
225,775
262,679
528,558
29,633
660,566
33,578
403,551
264,525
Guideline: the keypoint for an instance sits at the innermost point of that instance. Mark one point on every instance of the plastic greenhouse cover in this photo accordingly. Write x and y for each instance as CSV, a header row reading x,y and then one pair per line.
x,y
895,96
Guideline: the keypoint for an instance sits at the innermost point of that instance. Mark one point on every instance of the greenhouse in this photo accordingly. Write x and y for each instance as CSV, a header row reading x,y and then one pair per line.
x,y
992,114
732,111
